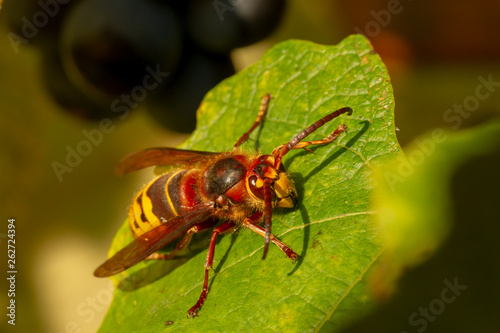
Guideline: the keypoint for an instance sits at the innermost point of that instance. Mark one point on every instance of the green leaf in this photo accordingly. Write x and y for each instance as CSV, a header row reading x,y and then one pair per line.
x,y
413,196
330,228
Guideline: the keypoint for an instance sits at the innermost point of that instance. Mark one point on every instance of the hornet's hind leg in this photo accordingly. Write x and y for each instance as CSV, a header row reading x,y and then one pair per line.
x,y
184,242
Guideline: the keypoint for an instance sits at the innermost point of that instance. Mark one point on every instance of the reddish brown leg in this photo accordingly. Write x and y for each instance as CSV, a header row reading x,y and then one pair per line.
x,y
296,143
184,242
208,265
248,223
262,112
268,211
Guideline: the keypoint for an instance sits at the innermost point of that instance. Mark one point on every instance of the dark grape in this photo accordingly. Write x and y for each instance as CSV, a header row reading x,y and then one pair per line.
x,y
108,44
174,105
98,51
222,25
69,97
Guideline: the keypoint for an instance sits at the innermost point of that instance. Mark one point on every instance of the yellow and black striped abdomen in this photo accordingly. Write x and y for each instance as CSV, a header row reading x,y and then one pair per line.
x,y
158,202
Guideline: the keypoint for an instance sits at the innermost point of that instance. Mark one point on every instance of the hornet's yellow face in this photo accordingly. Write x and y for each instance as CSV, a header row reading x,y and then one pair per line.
x,y
285,194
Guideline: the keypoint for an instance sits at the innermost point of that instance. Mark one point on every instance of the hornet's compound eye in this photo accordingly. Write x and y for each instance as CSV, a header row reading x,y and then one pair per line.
x,y
256,186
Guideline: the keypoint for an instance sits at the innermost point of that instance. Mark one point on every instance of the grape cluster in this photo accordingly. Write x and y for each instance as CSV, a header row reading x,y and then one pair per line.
x,y
101,58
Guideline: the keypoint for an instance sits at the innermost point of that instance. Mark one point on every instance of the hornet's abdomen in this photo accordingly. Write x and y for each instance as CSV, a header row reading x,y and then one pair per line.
x,y
162,200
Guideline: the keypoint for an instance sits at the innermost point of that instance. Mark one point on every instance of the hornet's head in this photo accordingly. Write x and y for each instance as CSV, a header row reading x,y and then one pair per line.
x,y
283,190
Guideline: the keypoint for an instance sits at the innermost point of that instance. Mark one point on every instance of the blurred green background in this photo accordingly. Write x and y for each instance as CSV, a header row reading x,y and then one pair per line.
x,y
436,54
